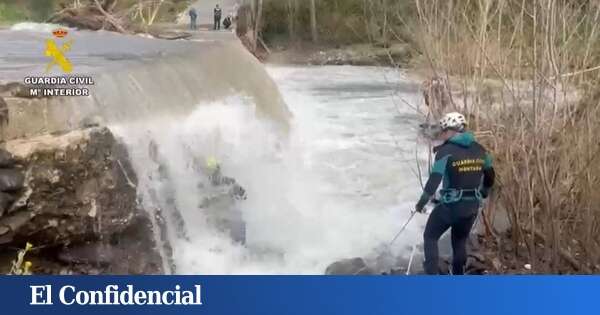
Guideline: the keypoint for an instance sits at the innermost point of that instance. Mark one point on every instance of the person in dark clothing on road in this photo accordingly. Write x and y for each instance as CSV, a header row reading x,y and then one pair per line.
x,y
193,17
227,22
467,173
218,14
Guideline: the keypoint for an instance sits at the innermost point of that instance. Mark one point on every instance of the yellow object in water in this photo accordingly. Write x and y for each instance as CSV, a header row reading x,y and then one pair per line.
x,y
212,163
58,56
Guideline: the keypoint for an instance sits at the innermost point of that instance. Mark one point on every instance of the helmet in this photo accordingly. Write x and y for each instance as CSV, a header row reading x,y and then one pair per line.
x,y
455,121
211,163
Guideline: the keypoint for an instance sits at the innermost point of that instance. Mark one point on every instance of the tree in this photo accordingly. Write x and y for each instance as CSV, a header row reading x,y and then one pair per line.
x,y
292,6
313,21
148,10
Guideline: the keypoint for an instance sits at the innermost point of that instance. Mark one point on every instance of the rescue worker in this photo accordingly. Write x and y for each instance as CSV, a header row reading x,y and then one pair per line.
x,y
218,13
217,179
223,212
468,175
193,17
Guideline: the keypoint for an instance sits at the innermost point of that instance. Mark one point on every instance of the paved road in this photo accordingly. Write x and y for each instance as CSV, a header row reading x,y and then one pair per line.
x,y
205,11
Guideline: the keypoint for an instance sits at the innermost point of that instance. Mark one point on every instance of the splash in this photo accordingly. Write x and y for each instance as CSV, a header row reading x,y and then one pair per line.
x,y
332,188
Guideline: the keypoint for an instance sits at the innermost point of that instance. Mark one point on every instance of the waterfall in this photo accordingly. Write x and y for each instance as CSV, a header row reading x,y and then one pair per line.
x,y
333,183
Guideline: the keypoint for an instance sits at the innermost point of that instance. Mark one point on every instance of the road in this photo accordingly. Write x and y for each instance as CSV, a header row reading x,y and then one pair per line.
x,y
205,11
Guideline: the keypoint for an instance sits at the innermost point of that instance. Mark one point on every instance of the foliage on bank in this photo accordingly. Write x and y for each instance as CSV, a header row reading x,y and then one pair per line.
x,y
338,22
526,72
12,11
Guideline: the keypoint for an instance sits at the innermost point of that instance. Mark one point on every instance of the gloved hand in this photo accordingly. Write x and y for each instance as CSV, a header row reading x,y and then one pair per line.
x,y
420,208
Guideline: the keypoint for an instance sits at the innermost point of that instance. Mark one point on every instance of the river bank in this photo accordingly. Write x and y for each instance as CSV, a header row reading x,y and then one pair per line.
x,y
397,55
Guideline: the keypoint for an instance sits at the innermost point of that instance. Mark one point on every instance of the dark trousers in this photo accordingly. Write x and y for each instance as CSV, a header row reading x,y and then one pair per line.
x,y
459,217
193,25
217,22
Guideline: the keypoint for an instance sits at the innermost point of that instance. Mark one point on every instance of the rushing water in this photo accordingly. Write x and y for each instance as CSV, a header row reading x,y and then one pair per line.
x,y
339,185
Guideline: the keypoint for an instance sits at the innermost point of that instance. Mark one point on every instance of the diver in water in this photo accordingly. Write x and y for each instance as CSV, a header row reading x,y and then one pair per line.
x,y
223,211
217,179
466,168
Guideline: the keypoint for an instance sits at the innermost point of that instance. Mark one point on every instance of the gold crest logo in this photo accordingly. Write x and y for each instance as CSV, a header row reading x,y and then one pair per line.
x,y
58,53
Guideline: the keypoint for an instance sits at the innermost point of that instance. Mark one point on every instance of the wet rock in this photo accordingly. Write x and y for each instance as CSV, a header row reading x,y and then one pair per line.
x,y
10,225
91,253
7,160
11,180
6,200
353,266
79,191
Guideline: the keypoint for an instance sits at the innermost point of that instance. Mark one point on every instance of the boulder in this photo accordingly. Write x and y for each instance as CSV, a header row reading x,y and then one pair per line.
x,y
7,160
80,190
11,180
6,200
353,266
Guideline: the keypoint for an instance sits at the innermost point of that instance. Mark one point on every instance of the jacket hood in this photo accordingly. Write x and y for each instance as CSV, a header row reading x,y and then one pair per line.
x,y
464,139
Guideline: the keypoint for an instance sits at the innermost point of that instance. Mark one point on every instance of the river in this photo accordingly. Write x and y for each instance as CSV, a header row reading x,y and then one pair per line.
x,y
340,185
337,182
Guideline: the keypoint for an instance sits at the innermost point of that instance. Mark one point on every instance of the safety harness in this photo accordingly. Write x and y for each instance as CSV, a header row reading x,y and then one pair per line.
x,y
452,195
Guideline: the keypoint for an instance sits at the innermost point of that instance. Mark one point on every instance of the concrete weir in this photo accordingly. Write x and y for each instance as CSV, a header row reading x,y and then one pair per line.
x,y
134,78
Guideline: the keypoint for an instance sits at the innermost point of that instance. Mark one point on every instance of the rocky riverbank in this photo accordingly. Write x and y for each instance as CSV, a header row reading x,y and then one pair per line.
x,y
397,55
73,196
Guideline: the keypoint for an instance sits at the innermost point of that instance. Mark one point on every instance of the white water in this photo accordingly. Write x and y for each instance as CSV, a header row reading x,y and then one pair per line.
x,y
338,186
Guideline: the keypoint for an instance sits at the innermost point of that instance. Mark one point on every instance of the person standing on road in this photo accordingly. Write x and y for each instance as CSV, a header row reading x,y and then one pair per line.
x,y
218,13
466,168
193,17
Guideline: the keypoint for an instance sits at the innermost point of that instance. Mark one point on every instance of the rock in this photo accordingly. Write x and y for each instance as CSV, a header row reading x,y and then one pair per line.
x,y
16,221
6,159
353,266
11,224
11,180
69,176
475,266
6,200
97,254
78,194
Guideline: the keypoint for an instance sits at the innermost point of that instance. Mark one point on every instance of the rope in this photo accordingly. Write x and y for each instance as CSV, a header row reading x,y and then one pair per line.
x,y
412,215
410,260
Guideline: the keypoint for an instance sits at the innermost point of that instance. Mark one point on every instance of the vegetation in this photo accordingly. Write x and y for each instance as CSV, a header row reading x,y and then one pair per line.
x,y
142,11
13,10
335,21
20,266
527,72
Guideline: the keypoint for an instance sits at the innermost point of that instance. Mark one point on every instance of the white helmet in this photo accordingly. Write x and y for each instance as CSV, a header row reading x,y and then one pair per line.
x,y
455,121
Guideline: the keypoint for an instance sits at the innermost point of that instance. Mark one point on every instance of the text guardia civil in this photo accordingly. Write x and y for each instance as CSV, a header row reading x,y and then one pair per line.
x,y
114,295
